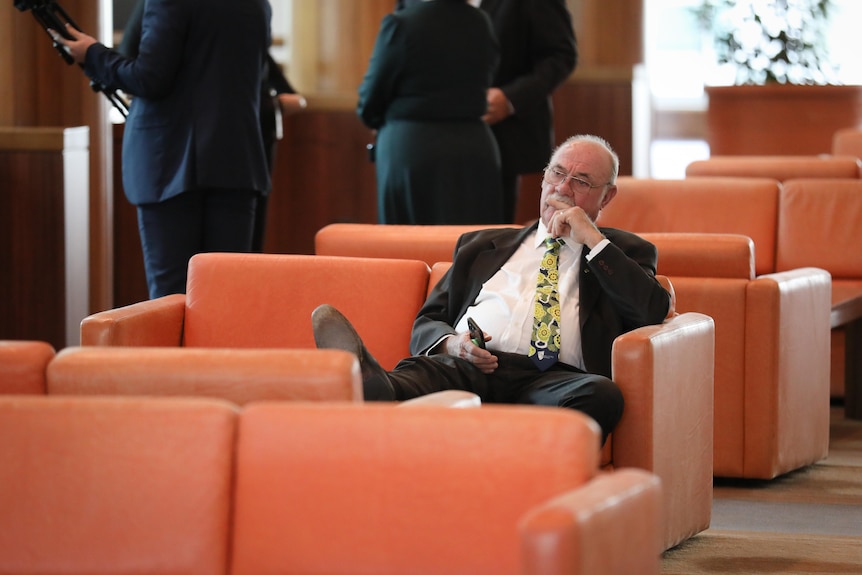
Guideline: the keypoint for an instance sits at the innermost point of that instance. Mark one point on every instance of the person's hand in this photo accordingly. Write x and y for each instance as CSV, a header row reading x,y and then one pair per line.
x,y
460,345
291,103
573,222
77,47
498,106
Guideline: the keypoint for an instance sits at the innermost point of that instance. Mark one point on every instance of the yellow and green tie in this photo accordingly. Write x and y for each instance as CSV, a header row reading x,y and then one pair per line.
x,y
545,341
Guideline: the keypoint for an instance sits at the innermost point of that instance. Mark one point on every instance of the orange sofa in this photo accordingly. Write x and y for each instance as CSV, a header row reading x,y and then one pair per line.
x,y
22,366
271,298
166,485
762,388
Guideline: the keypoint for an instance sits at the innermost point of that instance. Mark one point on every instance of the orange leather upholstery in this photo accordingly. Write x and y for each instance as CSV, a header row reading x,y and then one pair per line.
x,y
744,206
777,167
237,375
329,488
763,399
716,274
429,244
819,225
118,327
22,366
266,300
165,485
115,485
847,142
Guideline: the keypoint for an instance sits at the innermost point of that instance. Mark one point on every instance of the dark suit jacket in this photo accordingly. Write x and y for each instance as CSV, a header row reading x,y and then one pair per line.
x,y
618,290
538,52
194,121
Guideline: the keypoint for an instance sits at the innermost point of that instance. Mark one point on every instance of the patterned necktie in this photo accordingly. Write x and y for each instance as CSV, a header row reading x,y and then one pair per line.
x,y
545,341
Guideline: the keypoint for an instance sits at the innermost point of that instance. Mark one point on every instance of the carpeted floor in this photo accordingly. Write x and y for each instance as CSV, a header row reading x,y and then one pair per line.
x,y
805,522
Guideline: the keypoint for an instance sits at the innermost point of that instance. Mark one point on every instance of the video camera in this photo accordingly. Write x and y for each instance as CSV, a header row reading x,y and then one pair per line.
x,y
52,17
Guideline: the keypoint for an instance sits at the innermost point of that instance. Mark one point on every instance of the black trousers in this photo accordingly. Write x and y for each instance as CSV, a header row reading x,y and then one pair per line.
x,y
193,222
516,381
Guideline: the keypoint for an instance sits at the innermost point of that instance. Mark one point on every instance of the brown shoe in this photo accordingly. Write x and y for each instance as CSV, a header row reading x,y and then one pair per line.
x,y
333,331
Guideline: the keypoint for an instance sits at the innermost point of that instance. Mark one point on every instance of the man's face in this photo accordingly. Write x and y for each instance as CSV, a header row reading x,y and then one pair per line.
x,y
587,168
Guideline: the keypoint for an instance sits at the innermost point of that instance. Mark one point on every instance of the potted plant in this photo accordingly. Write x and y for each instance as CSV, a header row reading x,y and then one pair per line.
x,y
776,91
770,41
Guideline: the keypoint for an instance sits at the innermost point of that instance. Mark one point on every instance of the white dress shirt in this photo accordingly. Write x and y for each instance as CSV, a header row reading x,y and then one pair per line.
x,y
504,306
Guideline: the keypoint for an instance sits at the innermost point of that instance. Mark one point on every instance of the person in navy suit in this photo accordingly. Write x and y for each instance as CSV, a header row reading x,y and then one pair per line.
x,y
538,51
607,286
193,156
277,97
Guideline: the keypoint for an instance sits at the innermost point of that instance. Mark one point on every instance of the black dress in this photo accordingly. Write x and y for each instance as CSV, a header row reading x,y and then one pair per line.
x,y
425,92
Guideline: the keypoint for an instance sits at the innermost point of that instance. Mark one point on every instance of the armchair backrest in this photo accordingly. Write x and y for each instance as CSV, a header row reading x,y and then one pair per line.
x,y
266,300
779,167
427,243
716,205
115,485
405,467
820,225
236,375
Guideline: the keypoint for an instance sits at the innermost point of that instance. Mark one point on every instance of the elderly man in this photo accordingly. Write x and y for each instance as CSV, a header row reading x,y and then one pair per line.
x,y
550,298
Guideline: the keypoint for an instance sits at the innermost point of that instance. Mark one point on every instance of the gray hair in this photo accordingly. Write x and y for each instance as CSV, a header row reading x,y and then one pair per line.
x,y
615,159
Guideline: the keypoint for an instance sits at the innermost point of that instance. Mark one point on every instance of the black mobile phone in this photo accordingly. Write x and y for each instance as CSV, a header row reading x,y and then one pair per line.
x,y
476,334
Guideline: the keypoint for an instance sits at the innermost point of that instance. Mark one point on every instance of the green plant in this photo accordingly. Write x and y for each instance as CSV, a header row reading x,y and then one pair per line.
x,y
770,41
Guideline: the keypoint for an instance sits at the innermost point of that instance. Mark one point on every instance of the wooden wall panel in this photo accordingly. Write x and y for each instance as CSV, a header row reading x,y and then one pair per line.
x,y
43,246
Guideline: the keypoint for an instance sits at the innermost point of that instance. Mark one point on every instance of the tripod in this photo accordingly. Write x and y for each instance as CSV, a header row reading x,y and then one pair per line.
x,y
52,17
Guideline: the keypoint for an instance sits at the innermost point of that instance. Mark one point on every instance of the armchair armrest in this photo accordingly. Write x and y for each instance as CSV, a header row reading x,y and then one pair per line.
x,y
157,322
787,374
446,398
581,531
666,374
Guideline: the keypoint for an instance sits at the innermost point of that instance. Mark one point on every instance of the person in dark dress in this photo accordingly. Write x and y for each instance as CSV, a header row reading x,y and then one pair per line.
x,y
424,93
538,51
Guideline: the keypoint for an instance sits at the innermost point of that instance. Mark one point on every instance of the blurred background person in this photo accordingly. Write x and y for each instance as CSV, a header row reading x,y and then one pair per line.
x,y
193,157
277,97
424,93
538,51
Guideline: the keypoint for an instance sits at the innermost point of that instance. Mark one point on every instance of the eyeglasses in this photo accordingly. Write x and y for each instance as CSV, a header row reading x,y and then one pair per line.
x,y
557,178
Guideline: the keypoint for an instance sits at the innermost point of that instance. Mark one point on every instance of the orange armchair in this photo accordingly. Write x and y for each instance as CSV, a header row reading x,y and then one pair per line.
x,y
329,488
771,325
